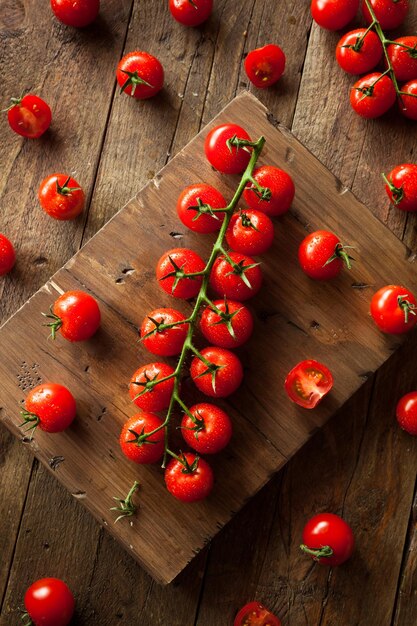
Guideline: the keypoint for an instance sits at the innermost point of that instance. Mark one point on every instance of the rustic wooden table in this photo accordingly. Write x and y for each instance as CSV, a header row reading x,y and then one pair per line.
x,y
361,465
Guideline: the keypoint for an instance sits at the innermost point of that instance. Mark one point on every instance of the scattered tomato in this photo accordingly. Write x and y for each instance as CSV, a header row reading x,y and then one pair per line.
x,y
254,614
408,103
219,375
189,478
226,148
407,413
191,12
61,197
165,341
49,602
209,430
401,186
322,255
29,116
328,539
239,281
76,315
359,51
179,272
403,57
50,406
79,13
250,232
389,13
393,309
372,95
308,382
334,14
275,192
7,255
140,75
147,395
230,328
194,208
265,66
136,444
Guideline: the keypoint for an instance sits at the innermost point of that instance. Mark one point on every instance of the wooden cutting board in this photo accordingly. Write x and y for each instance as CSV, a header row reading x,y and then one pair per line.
x,y
296,318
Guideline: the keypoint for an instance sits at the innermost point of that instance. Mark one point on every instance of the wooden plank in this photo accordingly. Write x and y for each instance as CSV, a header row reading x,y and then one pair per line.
x,y
406,602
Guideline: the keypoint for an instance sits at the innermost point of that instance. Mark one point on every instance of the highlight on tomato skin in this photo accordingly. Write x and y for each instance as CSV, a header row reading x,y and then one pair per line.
x,y
308,382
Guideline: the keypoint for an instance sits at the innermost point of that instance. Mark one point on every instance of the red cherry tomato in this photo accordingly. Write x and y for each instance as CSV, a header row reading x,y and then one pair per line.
x,y
223,150
78,13
308,382
276,192
140,75
147,395
322,255
240,281
407,413
408,103
61,197
359,51
403,57
254,614
328,539
76,315
191,12
334,14
394,309
7,255
136,444
29,116
209,430
165,341
50,406
389,13
49,602
401,186
193,208
230,328
171,269
250,232
265,66
372,95
219,375
189,478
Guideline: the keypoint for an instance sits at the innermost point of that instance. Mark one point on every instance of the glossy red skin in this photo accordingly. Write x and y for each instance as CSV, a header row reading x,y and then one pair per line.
x,y
404,63
334,14
255,239
308,382
408,104
79,313
168,342
404,177
191,13
148,68
219,155
281,186
218,334
77,13
386,312
158,398
228,377
315,250
190,262
61,206
390,14
227,284
254,614
53,404
265,66
407,413
189,487
366,58
375,105
31,117
49,602
147,451
208,195
327,529
7,255
216,432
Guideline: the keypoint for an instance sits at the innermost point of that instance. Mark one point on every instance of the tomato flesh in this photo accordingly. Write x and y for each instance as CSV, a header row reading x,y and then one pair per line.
x,y
29,116
308,382
254,614
265,66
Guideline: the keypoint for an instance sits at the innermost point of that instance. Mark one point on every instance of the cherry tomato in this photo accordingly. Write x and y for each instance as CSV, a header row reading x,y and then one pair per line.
x,y
408,104
254,614
136,444
401,186
140,75
172,268
389,13
265,66
165,341
29,116
209,430
7,255
407,413
240,281
189,478
308,382
49,602
250,232
61,197
230,328
334,14
404,57
322,255
328,539
224,151
50,406
79,13
221,373
191,12
394,309
372,95
276,192
194,208
359,51
76,315
145,393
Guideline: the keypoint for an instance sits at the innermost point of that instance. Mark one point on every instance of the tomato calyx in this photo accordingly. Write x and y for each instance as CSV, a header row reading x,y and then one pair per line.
x,y
340,253
212,368
31,420
226,317
140,438
240,269
407,307
56,323
133,80
397,192
26,619
236,142
149,383
126,506
187,467
199,423
64,190
201,209
263,193
317,553
179,274
14,102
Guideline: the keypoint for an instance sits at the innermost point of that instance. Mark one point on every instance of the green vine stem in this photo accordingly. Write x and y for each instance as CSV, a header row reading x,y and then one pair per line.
x,y
126,506
317,553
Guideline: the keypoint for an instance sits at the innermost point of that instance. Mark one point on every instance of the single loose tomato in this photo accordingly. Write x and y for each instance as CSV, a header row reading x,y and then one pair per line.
x,y
136,442
254,614
78,13
328,539
394,309
207,429
159,339
219,374
61,197
194,208
76,315
191,12
50,406
403,57
29,116
151,386
189,478
389,13
359,51
49,602
407,413
7,255
372,95
140,75
322,255
250,232
226,148
334,14
308,382
179,272
401,186
228,324
272,191
265,66
408,101
238,280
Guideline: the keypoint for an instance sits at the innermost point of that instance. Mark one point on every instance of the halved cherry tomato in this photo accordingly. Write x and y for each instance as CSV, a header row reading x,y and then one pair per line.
x,y
140,75
408,103
50,407
265,66
389,13
273,193
194,208
78,14
394,309
334,14
136,444
76,315
191,12
401,186
407,413
328,539
29,116
250,232
308,382
254,614
359,51
207,428
403,57
164,341
189,478
147,395
7,255
49,602
372,95
61,197
224,148
179,272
